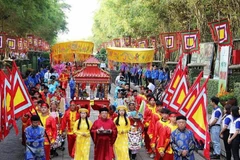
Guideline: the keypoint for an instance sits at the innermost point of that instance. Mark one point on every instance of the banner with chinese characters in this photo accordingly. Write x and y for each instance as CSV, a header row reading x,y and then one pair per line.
x,y
221,32
130,55
72,51
190,41
170,42
223,68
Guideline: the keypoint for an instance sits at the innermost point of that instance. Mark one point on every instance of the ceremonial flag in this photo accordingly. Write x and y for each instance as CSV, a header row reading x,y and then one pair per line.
x,y
191,97
142,107
180,93
7,110
198,120
20,44
12,43
2,42
190,41
21,99
153,43
173,83
117,42
127,41
170,42
1,108
142,43
221,32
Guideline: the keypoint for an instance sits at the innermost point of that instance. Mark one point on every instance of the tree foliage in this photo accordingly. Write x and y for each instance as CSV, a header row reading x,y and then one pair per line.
x,y
43,18
141,18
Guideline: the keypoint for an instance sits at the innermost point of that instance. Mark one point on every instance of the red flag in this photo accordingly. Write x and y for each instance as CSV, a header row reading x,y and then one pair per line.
x,y
221,32
173,83
21,99
198,120
180,93
1,114
190,41
191,97
7,110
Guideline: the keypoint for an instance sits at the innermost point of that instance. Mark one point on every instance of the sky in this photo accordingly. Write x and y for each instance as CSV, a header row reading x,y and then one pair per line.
x,y
80,20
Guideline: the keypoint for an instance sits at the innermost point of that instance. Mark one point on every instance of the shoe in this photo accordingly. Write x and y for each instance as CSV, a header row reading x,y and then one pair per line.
x,y
214,156
152,155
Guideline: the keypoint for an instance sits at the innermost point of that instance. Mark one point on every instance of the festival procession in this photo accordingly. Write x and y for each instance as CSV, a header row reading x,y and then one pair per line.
x,y
122,92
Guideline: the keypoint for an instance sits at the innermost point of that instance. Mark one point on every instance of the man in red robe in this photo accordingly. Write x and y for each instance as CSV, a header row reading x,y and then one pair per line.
x,y
104,134
63,78
68,120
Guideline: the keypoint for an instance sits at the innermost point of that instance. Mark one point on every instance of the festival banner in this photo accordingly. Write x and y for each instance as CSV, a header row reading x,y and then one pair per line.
x,y
180,93
12,43
7,110
2,42
65,51
223,68
21,100
20,44
35,43
198,120
25,45
30,41
134,43
221,32
142,43
130,55
190,41
173,83
170,42
153,43
127,41
191,96
40,42
117,42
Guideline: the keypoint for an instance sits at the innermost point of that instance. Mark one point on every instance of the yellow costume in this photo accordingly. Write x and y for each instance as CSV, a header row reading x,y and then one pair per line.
x,y
121,143
82,149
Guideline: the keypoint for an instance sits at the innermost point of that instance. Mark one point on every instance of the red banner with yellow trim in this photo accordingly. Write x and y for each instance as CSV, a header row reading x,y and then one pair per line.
x,y
190,41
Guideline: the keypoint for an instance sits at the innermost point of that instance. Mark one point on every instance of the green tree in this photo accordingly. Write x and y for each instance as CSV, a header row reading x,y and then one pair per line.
x,y
43,18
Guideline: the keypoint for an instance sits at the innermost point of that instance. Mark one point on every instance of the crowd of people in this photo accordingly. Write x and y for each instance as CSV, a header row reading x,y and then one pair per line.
x,y
134,120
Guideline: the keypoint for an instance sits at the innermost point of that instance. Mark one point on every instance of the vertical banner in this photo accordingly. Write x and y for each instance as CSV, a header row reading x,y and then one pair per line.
x,y
30,41
20,44
223,68
2,42
142,43
127,41
117,42
12,43
190,41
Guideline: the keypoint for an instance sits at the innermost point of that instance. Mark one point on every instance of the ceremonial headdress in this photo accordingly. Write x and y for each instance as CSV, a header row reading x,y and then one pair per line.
x,y
83,110
122,107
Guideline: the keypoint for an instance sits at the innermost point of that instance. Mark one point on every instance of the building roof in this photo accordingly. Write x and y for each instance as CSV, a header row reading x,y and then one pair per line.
x,y
92,74
92,60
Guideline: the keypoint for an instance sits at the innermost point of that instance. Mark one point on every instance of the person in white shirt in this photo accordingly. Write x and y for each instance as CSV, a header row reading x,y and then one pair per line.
x,y
214,125
47,76
118,78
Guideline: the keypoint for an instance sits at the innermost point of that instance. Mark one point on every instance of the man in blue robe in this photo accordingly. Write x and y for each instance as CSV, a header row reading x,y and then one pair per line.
x,y
35,140
182,141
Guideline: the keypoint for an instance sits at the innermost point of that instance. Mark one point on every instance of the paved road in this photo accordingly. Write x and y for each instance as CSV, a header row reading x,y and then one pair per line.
x,y
11,148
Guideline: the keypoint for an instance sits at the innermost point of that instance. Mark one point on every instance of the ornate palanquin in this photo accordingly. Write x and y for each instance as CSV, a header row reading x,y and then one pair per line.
x,y
94,76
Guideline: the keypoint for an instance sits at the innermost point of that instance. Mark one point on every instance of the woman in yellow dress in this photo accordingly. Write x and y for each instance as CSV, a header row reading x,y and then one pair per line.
x,y
123,126
82,131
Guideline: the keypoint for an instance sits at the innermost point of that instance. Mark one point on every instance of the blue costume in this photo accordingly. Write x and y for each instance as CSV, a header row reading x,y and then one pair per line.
x,y
34,143
72,86
183,140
